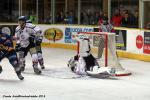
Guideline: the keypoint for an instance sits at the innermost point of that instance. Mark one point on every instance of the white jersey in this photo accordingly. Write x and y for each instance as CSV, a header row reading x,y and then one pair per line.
x,y
23,36
106,28
38,32
84,49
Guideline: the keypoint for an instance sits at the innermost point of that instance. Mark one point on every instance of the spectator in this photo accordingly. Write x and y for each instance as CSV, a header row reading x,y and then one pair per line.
x,y
48,20
85,18
117,18
69,18
91,18
60,17
147,26
135,20
124,12
97,17
126,21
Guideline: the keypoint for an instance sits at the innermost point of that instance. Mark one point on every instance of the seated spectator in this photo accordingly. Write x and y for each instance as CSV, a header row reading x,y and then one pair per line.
x,y
126,21
85,18
147,26
48,20
117,18
124,12
135,20
69,18
60,18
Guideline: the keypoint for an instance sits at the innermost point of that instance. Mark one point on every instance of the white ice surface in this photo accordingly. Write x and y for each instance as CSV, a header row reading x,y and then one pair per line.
x,y
58,83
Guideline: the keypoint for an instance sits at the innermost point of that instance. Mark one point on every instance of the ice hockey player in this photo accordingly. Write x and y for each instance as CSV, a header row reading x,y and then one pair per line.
x,y
85,62
105,26
7,51
38,41
25,35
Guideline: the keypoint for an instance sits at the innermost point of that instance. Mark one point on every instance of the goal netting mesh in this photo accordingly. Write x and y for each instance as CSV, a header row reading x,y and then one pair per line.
x,y
103,47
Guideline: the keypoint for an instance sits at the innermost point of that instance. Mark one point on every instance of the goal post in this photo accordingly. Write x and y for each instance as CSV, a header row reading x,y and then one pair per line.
x,y
103,46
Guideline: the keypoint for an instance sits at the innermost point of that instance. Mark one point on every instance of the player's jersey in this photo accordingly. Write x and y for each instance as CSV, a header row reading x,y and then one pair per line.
x,y
106,28
84,46
38,32
23,35
6,40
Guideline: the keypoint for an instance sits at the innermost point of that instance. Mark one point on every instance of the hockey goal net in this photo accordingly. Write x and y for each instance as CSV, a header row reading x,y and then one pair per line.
x,y
103,47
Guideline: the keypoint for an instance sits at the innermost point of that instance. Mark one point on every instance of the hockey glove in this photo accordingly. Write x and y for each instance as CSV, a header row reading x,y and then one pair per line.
x,y
39,40
32,39
17,47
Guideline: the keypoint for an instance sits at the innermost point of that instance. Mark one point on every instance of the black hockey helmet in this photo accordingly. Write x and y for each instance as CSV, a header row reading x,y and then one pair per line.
x,y
22,18
105,20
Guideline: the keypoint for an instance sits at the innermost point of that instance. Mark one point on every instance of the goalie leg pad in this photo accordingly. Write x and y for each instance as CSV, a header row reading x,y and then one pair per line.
x,y
77,67
71,64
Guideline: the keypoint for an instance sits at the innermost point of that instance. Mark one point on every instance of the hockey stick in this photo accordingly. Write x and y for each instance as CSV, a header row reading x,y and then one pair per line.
x,y
54,37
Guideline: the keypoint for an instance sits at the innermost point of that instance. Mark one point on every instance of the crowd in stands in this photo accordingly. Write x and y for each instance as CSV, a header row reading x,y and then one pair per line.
x,y
118,18
125,19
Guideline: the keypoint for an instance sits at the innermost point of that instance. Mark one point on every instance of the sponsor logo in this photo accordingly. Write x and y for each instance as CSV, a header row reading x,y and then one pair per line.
x,y
53,34
146,48
139,41
69,31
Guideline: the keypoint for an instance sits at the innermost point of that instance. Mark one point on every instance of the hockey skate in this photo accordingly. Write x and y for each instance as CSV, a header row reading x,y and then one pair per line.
x,y
22,65
37,70
18,72
41,63
42,67
22,68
